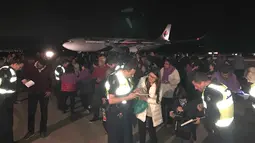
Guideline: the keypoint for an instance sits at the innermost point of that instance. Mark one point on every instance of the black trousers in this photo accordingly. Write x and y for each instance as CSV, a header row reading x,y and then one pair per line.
x,y
119,126
6,118
221,135
151,130
58,94
166,106
64,97
84,100
33,99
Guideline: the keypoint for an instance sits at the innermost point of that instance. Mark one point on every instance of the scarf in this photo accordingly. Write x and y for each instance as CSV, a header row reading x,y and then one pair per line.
x,y
166,73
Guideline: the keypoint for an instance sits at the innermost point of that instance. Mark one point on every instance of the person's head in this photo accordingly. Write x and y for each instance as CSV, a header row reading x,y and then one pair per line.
x,y
16,63
195,64
211,66
65,63
112,62
83,66
129,69
167,63
74,61
250,75
200,81
225,71
101,60
153,76
69,68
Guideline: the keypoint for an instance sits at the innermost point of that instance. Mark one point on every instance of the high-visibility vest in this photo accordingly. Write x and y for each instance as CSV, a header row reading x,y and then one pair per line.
x,y
8,80
59,71
252,93
124,87
225,106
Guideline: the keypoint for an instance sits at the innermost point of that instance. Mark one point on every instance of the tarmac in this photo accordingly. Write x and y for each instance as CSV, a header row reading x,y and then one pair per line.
x,y
61,129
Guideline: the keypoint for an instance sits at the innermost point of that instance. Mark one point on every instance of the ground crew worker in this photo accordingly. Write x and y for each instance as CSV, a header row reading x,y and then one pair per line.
x,y
119,92
219,108
8,82
252,94
59,71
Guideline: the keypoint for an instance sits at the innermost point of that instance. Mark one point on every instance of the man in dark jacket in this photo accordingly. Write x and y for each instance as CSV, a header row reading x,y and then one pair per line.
x,y
39,73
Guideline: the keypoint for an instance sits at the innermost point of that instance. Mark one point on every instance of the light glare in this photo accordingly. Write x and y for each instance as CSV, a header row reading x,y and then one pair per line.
x,y
49,54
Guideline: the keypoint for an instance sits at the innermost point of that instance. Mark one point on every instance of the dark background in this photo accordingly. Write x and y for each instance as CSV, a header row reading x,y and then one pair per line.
x,y
34,25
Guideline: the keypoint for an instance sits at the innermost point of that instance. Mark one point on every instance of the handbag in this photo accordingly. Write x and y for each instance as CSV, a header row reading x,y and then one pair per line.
x,y
139,106
182,132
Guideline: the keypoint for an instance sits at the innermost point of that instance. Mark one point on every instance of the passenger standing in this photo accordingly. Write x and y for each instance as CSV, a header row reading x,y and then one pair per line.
x,y
85,87
170,78
152,116
98,75
68,88
40,73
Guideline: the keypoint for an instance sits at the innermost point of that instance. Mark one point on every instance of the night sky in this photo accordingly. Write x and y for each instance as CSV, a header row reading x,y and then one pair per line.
x,y
226,27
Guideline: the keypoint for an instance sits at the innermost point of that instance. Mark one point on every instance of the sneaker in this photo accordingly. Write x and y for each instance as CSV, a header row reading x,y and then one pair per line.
x,y
29,135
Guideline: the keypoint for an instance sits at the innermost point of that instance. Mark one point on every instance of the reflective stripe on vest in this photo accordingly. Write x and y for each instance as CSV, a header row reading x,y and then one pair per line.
x,y
57,74
6,91
124,86
13,74
225,106
12,79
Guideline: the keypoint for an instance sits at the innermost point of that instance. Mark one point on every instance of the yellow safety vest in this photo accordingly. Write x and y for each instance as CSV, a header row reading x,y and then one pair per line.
x,y
252,93
4,89
225,106
124,86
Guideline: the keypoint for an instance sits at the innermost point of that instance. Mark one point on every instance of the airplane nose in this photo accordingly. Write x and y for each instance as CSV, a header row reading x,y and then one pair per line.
x,y
66,45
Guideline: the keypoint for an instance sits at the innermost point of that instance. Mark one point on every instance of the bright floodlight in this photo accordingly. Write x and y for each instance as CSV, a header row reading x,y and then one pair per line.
x,y
49,54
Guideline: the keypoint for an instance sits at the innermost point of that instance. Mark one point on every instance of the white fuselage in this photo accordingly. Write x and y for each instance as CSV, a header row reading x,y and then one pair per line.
x,y
84,46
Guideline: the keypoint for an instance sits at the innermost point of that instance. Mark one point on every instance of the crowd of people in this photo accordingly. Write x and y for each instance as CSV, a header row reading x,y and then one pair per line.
x,y
169,91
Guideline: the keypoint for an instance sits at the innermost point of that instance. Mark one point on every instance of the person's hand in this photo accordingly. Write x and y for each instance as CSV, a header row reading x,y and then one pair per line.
x,y
138,90
104,100
144,98
179,108
47,94
197,121
200,107
24,81
132,95
172,114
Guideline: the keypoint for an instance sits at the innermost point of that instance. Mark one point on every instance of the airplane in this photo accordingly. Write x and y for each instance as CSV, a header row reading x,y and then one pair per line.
x,y
120,44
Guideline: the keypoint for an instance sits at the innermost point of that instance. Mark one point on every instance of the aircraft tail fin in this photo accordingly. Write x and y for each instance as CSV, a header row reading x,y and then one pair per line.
x,y
166,33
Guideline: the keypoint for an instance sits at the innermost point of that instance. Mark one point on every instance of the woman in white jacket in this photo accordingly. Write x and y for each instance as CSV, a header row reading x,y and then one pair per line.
x,y
152,116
